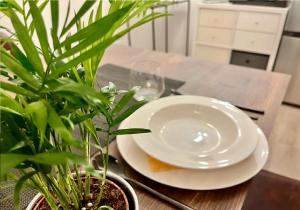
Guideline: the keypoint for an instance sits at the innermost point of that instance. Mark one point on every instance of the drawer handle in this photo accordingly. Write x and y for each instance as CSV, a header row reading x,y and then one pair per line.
x,y
216,20
252,42
213,37
256,23
247,61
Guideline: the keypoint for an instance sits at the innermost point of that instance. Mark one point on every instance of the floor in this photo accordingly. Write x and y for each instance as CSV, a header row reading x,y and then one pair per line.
x,y
284,143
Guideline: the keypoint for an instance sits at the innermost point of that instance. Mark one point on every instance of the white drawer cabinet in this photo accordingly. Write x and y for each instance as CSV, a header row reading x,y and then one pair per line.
x,y
224,28
215,36
216,54
256,21
217,18
254,42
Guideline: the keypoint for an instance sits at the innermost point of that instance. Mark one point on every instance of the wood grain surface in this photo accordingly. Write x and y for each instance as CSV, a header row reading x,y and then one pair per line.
x,y
239,85
271,191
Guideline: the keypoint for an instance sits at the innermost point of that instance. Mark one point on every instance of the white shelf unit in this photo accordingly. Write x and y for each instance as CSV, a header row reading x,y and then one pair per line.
x,y
220,30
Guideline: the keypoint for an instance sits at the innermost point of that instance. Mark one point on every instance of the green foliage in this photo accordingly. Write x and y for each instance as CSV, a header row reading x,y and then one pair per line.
x,y
51,92
105,208
130,131
27,43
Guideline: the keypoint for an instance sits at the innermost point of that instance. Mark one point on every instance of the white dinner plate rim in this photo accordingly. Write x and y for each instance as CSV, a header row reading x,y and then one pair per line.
x,y
238,173
145,141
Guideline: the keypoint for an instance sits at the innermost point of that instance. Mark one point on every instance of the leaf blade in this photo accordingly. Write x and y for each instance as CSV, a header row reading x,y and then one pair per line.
x,y
9,161
130,131
37,111
41,31
17,89
27,43
86,92
18,69
19,187
56,123
8,104
123,102
83,9
99,47
19,55
127,112
56,158
104,23
54,15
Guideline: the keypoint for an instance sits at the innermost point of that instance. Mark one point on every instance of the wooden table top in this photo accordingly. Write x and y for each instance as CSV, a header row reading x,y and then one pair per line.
x,y
239,85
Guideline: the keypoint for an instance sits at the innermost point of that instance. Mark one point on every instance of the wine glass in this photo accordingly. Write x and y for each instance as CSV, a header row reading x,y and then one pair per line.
x,y
147,77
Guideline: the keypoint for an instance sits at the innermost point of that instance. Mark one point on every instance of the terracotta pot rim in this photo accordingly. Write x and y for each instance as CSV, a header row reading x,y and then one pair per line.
x,y
112,177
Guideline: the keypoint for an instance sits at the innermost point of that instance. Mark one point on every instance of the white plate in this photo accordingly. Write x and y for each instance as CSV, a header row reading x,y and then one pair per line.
x,y
195,179
195,132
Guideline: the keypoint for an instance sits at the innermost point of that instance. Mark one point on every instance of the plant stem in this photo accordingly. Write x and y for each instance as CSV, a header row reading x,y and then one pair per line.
x,y
24,15
59,191
45,191
78,176
75,192
87,157
105,167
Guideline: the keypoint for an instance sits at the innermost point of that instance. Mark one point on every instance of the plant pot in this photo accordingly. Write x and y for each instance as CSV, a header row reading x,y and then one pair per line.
x,y
117,181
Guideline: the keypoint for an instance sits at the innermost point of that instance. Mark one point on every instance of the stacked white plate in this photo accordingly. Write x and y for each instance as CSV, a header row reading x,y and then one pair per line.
x,y
212,143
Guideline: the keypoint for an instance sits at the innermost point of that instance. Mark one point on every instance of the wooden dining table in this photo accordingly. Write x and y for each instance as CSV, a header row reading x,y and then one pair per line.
x,y
241,86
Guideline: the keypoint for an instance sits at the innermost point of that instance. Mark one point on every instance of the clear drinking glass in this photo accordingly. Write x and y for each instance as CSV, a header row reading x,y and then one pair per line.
x,y
147,77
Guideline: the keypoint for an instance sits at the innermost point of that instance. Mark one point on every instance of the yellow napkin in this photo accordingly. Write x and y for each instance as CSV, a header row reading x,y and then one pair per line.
x,y
158,166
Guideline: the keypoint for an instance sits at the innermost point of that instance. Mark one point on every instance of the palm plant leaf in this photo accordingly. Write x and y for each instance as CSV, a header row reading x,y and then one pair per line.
x,y
14,160
41,8
27,43
83,9
6,4
92,33
38,113
40,29
57,124
87,93
17,89
18,69
76,119
19,187
54,5
127,112
100,47
47,158
114,6
8,104
56,158
54,15
123,102
11,135
67,14
130,131
19,55
99,11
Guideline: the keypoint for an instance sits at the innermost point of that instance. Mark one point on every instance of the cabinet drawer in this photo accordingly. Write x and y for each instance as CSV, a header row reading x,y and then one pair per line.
x,y
217,18
253,60
255,42
215,54
215,36
255,21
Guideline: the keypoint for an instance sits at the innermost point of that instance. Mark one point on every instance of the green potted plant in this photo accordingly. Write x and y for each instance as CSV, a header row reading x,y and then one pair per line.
x,y
50,91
